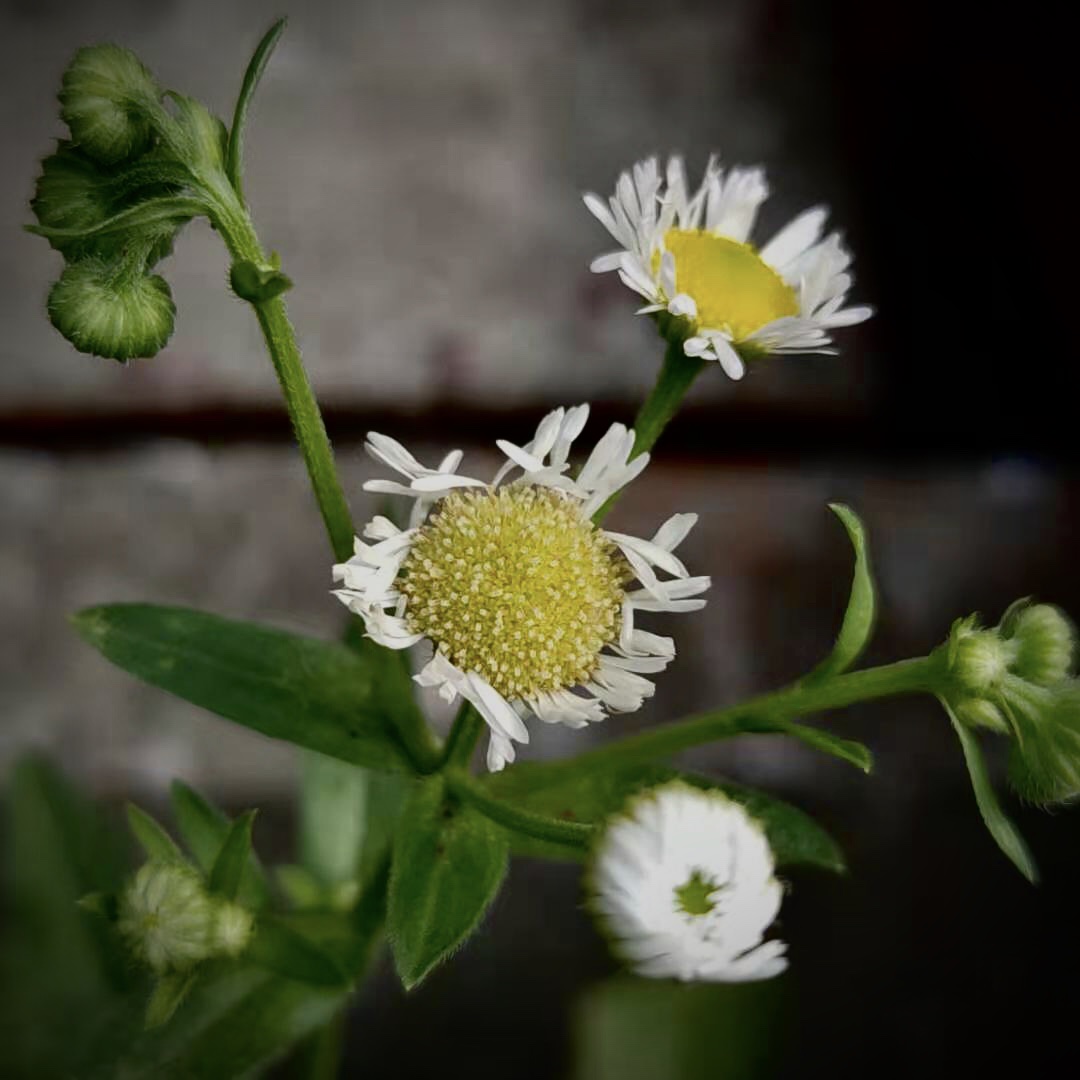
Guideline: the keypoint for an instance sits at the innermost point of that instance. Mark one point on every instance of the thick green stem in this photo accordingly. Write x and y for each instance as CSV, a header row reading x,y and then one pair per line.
x,y
463,737
239,235
574,833
922,675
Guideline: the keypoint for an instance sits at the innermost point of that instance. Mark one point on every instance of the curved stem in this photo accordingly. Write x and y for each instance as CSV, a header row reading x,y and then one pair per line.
x,y
574,833
677,375
236,230
922,675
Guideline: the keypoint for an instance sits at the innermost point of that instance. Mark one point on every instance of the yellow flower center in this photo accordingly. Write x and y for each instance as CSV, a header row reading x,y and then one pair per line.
x,y
515,585
733,288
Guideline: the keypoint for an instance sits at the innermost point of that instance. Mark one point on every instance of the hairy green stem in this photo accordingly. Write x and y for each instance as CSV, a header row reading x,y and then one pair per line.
x,y
469,790
463,737
236,230
922,675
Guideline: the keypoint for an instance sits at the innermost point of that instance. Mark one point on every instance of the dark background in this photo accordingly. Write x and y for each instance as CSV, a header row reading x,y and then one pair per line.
x,y
419,166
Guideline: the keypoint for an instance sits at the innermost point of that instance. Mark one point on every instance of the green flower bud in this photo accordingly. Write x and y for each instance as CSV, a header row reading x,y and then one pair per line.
x,y
167,917
72,193
232,930
978,712
1044,765
1045,643
108,310
106,99
979,659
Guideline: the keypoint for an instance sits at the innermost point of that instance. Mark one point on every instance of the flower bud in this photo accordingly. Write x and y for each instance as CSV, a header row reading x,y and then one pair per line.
x,y
978,712
232,930
72,193
1045,644
106,310
1044,766
167,917
106,98
979,659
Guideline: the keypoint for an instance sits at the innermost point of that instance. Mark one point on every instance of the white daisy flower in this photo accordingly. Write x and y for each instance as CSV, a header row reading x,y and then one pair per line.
x,y
529,605
690,257
684,884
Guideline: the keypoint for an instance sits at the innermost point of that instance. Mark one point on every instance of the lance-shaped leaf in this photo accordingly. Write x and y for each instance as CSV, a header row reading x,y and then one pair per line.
x,y
280,948
448,864
203,828
313,693
548,788
234,856
155,841
861,611
167,996
1004,832
234,152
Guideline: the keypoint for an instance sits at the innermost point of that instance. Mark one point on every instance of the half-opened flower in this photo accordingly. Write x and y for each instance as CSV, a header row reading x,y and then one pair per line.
x,y
531,607
690,256
683,883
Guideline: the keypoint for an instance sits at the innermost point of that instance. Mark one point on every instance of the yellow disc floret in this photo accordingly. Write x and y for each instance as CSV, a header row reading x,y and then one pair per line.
x,y
733,288
517,586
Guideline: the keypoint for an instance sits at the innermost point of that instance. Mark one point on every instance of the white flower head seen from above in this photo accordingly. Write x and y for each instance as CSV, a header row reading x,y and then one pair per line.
x,y
683,883
529,605
691,258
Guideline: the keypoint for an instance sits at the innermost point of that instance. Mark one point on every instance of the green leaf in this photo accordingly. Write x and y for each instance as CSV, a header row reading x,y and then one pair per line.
x,y
855,753
151,216
312,693
107,905
237,1020
550,789
234,154
61,966
448,864
333,816
280,948
1004,832
257,284
203,828
169,992
234,856
861,611
155,841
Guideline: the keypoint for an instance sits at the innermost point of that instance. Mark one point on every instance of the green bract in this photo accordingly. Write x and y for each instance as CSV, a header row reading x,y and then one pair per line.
x,y
106,98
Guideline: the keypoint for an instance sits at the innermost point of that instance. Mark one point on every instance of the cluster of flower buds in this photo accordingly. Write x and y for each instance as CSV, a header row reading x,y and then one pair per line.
x,y
172,922
112,198
1017,679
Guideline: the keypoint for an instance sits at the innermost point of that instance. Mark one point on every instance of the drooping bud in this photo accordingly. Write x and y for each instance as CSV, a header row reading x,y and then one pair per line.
x,y
1044,765
72,194
1045,643
106,99
167,917
1016,679
110,311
